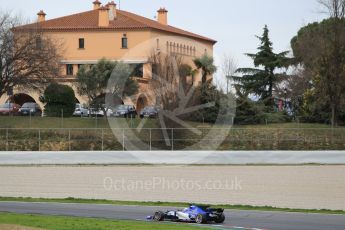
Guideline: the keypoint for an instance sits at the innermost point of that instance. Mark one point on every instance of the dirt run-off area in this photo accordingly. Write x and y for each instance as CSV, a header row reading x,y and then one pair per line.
x,y
306,187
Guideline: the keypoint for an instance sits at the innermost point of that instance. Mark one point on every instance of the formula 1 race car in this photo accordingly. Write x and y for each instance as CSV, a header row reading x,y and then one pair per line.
x,y
193,214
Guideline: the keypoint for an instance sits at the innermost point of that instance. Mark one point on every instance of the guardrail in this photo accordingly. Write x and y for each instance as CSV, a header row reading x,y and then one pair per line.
x,y
101,139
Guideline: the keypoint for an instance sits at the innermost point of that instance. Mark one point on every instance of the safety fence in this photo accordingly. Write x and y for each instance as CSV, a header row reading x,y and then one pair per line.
x,y
98,139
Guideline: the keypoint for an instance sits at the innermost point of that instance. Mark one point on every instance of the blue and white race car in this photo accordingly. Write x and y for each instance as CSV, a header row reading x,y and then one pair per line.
x,y
192,214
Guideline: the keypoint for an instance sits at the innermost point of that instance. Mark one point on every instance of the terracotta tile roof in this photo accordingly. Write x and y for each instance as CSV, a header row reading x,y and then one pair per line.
x,y
124,21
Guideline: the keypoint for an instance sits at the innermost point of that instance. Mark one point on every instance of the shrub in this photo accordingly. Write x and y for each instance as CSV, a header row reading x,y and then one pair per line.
x,y
222,111
278,117
59,98
251,112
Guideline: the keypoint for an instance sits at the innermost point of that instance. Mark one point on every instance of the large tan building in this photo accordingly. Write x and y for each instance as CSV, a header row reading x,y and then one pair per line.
x,y
107,32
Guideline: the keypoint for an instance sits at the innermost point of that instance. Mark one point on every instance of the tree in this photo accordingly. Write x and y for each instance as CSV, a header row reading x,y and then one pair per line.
x,y
296,86
209,94
59,100
96,82
262,79
334,8
121,83
206,65
248,111
28,58
320,47
229,67
166,78
177,103
186,71
201,103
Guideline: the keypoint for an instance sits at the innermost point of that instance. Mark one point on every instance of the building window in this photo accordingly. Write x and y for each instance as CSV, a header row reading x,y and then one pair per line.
x,y
138,70
81,43
124,42
69,70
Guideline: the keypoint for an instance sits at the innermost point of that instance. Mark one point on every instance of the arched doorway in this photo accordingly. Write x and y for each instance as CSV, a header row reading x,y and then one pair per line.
x,y
21,99
141,103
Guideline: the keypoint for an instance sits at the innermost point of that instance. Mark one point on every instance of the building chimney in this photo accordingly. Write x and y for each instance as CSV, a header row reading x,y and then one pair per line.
x,y
163,16
103,16
41,16
112,10
96,5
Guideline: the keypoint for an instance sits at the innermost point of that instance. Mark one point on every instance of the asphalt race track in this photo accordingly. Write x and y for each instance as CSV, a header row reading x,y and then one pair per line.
x,y
243,219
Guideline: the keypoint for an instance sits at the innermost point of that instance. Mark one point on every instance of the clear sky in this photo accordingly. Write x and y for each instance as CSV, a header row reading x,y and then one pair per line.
x,y
233,23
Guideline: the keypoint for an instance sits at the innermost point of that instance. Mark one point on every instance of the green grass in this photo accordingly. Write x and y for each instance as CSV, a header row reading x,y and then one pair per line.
x,y
74,223
170,204
68,123
90,134
90,123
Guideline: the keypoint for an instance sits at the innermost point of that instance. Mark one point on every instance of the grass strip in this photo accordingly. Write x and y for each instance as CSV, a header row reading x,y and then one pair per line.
x,y
77,223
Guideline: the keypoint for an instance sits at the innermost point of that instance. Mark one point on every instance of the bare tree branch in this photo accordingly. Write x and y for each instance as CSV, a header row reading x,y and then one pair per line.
x,y
335,8
165,79
28,58
229,67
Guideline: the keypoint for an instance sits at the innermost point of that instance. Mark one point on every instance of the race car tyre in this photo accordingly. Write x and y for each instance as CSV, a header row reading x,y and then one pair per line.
x,y
158,216
200,219
220,219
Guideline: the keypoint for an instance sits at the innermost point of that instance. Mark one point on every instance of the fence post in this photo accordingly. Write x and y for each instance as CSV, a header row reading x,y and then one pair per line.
x,y
150,139
102,140
69,140
61,118
123,139
96,120
7,140
30,120
172,139
39,140
332,135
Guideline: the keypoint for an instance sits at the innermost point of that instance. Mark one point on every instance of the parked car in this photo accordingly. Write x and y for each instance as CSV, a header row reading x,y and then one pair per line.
x,y
124,111
95,112
149,112
9,108
80,111
30,109
100,113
